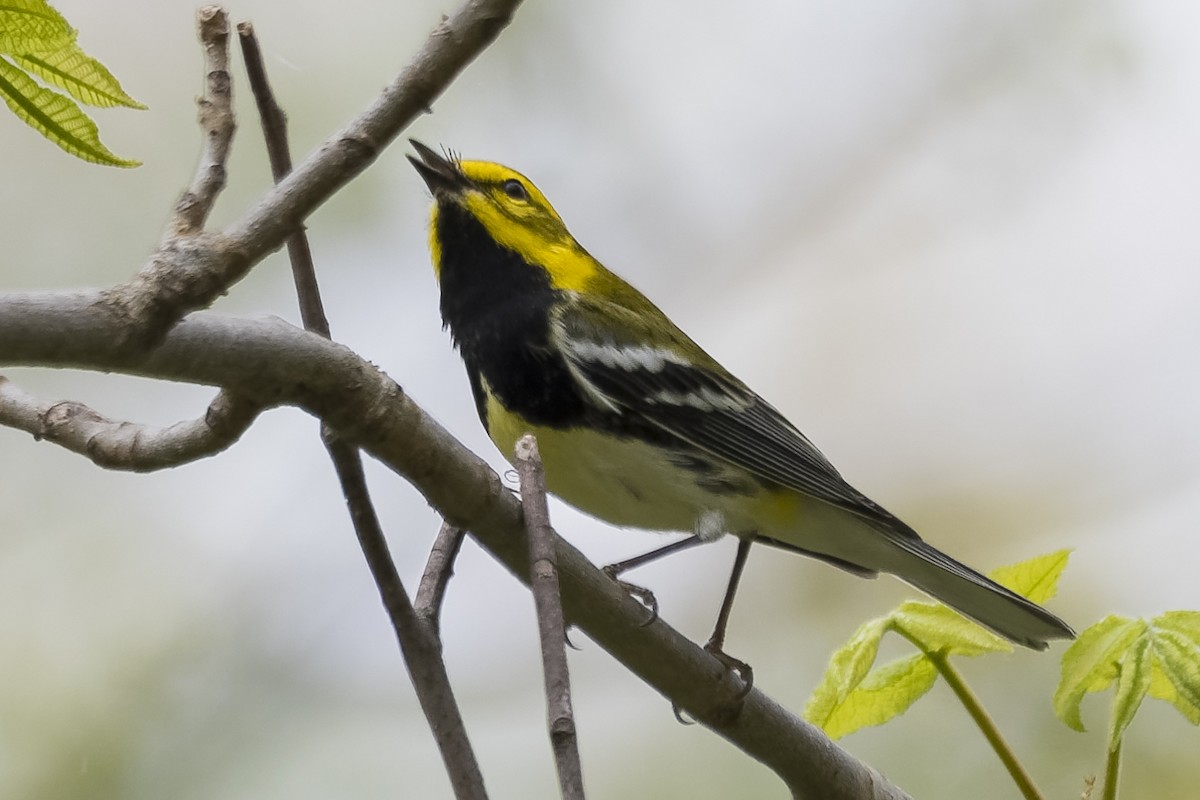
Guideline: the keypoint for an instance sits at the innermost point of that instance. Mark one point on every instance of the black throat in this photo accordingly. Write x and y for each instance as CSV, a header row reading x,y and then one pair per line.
x,y
497,308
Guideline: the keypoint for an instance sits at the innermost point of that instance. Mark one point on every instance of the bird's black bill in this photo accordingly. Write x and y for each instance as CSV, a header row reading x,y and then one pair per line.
x,y
439,173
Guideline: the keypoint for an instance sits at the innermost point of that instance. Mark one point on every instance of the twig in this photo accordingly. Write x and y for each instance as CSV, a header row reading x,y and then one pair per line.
x,y
543,580
438,570
119,445
420,647
189,272
418,643
216,122
274,125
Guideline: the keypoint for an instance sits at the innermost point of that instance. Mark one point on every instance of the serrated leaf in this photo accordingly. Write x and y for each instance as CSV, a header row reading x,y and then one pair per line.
x,y
1185,623
1132,683
1092,663
938,627
885,693
1177,660
1035,579
847,667
83,77
1162,688
56,117
32,26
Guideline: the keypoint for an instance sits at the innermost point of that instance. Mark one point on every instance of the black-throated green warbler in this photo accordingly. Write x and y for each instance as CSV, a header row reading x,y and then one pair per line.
x,y
639,426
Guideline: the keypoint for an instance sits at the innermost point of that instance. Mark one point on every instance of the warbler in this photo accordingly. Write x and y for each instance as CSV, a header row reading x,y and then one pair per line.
x,y
640,427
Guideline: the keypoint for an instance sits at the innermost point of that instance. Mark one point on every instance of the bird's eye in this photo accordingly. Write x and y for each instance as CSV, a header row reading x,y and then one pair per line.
x,y
515,189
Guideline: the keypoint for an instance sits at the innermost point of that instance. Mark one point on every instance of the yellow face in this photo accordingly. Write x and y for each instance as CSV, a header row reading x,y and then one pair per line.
x,y
518,216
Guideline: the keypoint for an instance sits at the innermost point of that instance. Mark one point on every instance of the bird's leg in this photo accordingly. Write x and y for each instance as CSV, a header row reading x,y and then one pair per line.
x,y
639,593
717,641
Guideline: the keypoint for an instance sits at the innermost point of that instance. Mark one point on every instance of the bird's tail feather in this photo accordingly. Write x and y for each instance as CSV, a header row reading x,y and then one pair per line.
x,y
974,595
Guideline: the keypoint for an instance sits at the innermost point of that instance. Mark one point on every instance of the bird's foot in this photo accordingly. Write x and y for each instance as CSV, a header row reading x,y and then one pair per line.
x,y
639,593
738,667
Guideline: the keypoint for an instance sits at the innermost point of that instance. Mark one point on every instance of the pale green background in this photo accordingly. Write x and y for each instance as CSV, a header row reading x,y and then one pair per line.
x,y
956,242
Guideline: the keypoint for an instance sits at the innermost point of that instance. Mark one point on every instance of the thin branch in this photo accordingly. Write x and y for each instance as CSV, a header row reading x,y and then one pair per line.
x,y
189,272
438,571
419,645
114,444
216,123
543,580
274,125
275,363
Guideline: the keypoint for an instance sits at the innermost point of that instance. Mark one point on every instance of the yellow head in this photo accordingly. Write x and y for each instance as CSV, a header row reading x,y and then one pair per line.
x,y
514,212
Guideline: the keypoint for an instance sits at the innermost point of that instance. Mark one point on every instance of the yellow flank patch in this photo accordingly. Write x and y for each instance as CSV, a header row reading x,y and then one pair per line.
x,y
503,426
624,481
779,509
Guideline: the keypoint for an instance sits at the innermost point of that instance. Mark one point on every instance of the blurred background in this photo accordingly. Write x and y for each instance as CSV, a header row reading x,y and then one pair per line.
x,y
956,243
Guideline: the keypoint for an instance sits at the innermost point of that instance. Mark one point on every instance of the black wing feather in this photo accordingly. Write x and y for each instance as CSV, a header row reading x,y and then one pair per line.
x,y
728,420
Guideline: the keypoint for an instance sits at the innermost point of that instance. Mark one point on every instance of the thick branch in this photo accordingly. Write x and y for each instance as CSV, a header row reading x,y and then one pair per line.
x,y
114,444
272,362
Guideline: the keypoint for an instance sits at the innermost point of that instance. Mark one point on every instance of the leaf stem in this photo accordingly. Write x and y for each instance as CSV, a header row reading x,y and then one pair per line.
x,y
1112,772
987,725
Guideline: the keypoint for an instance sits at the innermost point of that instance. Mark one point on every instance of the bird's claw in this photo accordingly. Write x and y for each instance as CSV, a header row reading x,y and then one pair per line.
x,y
567,640
639,593
735,665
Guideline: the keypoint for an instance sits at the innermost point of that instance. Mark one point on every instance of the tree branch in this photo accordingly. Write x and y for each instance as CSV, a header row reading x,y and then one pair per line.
x,y
419,644
189,272
216,123
438,570
274,363
118,445
552,631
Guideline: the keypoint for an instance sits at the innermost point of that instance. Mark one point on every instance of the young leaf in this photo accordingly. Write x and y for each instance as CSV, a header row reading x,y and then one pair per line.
x,y
852,695
1162,687
1132,684
32,26
934,627
1035,579
1092,663
1176,669
886,692
847,668
56,117
1185,623
83,77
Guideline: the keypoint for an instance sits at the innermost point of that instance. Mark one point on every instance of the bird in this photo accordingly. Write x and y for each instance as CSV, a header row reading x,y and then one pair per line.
x,y
637,425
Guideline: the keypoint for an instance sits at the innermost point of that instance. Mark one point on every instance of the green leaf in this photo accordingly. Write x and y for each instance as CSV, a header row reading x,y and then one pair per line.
x,y
1163,688
852,695
1185,623
1132,684
83,77
1092,663
847,667
1176,671
1035,579
55,116
935,627
886,692
32,26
